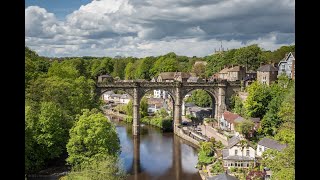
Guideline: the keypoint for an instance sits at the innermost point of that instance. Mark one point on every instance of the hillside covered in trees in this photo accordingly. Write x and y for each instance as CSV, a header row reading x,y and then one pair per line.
x,y
59,97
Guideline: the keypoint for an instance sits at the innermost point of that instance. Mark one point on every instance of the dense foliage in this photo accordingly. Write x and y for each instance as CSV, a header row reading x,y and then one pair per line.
x,y
92,136
201,98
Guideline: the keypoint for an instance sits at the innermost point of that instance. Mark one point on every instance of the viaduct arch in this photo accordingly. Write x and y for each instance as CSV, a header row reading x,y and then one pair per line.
x,y
220,91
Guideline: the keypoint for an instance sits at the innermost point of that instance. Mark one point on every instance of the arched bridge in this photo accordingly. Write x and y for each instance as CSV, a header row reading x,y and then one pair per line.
x,y
220,92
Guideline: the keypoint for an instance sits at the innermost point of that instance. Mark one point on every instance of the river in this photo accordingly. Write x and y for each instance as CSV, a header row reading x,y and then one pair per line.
x,y
156,155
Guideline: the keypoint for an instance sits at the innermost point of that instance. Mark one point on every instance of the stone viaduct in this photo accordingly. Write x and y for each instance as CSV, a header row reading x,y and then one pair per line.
x,y
220,92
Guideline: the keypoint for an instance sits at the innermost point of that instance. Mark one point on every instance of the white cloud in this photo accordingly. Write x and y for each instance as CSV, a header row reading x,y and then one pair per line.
x,y
155,27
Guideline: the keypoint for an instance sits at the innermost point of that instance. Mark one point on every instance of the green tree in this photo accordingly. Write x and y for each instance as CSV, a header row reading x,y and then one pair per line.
x,y
282,163
129,71
98,169
245,127
257,100
144,107
237,105
129,108
92,136
248,56
200,98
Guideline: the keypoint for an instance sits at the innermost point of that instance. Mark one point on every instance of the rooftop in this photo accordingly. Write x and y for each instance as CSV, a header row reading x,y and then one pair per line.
x,y
267,68
229,116
272,144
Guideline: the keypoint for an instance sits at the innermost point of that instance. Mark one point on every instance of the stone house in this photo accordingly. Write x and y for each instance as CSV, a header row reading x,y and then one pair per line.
x,y
166,77
155,104
223,74
287,65
236,73
267,143
195,79
267,74
238,155
249,78
233,73
105,78
226,122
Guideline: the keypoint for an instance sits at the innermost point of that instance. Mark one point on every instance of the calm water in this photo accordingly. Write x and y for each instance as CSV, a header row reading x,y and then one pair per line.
x,y
156,155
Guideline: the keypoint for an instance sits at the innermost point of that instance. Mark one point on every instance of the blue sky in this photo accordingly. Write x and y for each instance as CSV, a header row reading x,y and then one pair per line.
x,y
140,28
60,8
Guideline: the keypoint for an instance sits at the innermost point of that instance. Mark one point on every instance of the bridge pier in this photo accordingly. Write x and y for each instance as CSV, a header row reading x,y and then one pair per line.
x,y
136,112
177,109
221,101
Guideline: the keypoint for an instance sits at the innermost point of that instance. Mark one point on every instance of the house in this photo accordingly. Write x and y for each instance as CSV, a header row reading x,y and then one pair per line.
x,y
181,76
267,143
195,79
227,120
223,74
160,94
185,106
105,78
154,104
115,98
106,95
153,79
199,112
267,74
237,154
249,78
200,62
223,176
287,65
165,77
173,76
124,99
236,73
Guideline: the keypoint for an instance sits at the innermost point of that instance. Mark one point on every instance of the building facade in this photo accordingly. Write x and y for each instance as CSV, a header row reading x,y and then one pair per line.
x,y
287,65
237,154
267,74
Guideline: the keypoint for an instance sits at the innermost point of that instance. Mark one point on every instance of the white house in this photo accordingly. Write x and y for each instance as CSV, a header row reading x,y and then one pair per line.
x,y
287,65
115,98
155,104
124,99
227,120
267,143
237,155
160,94
106,95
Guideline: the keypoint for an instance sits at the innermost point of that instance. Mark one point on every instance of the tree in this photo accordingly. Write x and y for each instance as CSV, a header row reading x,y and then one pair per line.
x,y
257,100
92,136
237,105
144,107
53,129
245,127
199,70
129,108
162,113
98,169
248,56
129,71
282,163
200,98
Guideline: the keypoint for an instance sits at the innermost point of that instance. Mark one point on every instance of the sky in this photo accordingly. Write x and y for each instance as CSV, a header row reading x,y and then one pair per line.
x,y
140,28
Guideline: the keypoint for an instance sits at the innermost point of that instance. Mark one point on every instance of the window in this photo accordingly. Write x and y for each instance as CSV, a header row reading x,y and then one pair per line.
x,y
248,152
236,152
260,149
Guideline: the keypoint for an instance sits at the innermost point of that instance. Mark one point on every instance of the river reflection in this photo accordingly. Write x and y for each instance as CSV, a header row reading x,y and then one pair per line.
x,y
155,155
